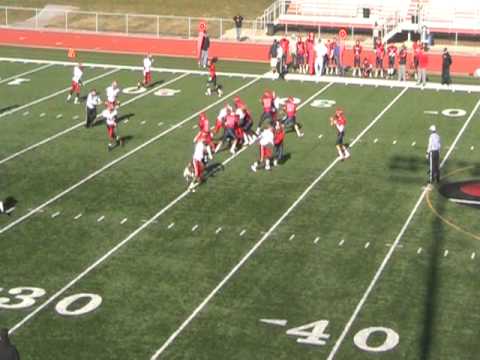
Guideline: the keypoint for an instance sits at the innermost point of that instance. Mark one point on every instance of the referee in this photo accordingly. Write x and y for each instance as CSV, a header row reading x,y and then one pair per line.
x,y
433,156
92,101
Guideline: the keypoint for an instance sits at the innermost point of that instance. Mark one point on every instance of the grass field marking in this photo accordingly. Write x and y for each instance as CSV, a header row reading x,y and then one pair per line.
x,y
473,256
54,94
259,243
367,244
291,237
66,131
243,232
317,239
108,254
195,227
78,216
123,157
341,242
385,261
55,214
170,226
124,220
218,230
445,253
101,218
419,251
40,68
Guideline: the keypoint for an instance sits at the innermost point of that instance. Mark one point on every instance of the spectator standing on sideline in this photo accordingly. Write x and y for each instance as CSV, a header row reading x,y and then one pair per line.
x,y
8,351
433,155
280,62
402,64
446,63
204,51
273,56
422,67
320,52
293,51
238,19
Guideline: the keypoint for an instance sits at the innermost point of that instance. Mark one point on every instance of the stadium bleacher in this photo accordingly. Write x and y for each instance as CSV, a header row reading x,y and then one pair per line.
x,y
440,16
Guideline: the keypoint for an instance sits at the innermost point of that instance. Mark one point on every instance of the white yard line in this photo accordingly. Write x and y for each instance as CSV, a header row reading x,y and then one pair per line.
x,y
234,270
144,225
66,131
40,68
289,77
385,261
124,156
45,98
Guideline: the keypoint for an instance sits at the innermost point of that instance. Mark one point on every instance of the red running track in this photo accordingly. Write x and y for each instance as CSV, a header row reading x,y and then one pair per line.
x,y
245,51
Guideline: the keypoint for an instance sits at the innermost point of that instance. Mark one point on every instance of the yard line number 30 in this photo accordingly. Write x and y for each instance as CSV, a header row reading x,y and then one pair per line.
x,y
26,296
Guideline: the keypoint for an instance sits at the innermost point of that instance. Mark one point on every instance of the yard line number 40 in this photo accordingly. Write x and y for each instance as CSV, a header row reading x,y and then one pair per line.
x,y
73,305
315,333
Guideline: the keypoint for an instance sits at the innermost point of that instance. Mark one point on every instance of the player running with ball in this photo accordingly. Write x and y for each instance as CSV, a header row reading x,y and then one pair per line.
x,y
339,122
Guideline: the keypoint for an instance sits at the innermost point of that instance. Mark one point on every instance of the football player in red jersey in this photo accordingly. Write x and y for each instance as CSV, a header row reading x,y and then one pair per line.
x,y
357,53
392,52
379,55
212,85
205,135
245,121
268,110
367,68
290,108
229,134
278,138
301,61
417,48
339,121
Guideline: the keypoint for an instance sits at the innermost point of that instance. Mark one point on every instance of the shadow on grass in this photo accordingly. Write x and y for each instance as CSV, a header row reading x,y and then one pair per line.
x,y
8,108
432,283
410,163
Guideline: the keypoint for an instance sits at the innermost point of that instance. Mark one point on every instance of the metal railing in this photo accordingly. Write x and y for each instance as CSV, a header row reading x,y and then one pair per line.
x,y
127,24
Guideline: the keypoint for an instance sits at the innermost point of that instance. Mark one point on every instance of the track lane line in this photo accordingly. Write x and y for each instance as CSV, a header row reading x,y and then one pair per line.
x,y
26,73
81,123
153,219
404,228
247,256
124,156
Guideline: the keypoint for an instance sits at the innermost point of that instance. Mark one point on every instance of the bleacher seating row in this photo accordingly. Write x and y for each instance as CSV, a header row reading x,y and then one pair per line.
x,y
462,16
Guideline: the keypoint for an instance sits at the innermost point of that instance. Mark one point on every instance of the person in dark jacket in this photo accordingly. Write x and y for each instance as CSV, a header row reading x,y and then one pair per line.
x,y
8,351
446,63
238,19
204,51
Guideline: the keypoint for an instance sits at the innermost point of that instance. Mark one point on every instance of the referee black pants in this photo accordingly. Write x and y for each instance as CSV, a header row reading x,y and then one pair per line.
x,y
434,166
91,116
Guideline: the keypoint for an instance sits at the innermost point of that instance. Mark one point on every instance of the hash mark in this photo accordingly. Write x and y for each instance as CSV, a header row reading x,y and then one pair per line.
x,y
317,239
243,232
445,254
59,116
75,117
291,237
160,123
394,142
414,143
26,113
42,115
195,227
78,216
419,251
54,215
320,136
473,256
367,245
375,141
472,148
101,218
218,230
171,225
143,122
123,221
341,242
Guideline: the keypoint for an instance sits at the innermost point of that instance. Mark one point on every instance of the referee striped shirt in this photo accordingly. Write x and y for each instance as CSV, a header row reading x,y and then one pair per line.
x,y
433,142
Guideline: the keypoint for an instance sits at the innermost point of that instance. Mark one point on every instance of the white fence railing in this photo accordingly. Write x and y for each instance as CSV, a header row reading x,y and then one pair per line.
x,y
127,24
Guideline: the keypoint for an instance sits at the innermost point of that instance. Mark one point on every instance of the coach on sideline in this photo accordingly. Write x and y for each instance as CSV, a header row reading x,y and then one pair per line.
x,y
433,156
92,101
8,351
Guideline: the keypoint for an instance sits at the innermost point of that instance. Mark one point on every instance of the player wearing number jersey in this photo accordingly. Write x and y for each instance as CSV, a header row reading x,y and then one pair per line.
x,y
147,71
76,83
110,116
357,53
290,120
367,68
112,95
220,121
212,85
245,121
268,109
392,52
339,121
229,134
197,162
266,142
205,134
379,55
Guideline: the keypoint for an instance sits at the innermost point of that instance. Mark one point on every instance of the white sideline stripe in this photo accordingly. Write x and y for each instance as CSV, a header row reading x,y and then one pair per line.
x,y
462,201
124,156
385,261
265,236
51,95
99,261
66,131
268,76
26,73
138,230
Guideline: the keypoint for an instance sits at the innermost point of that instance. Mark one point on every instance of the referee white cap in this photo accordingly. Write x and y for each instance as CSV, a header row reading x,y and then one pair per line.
x,y
432,128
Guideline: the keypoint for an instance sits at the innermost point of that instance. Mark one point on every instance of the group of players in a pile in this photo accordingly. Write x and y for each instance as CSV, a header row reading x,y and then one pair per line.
x,y
327,58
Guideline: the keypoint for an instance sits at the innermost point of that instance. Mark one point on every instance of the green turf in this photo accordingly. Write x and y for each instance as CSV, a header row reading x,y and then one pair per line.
x,y
155,281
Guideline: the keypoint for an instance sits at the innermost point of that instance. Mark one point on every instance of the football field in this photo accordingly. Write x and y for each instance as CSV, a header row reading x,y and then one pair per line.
x,y
108,256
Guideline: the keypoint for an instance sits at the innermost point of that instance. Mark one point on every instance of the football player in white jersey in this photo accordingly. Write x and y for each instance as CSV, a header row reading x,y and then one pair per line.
x,y
76,83
112,94
266,141
197,161
147,71
110,116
